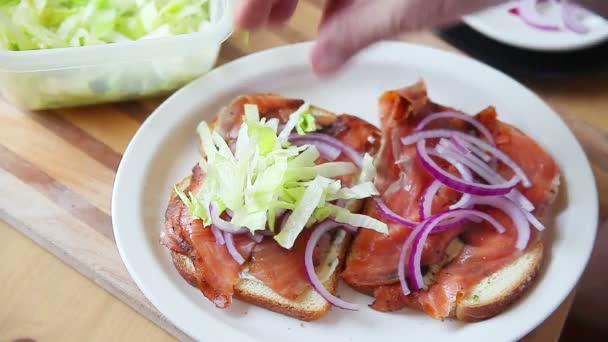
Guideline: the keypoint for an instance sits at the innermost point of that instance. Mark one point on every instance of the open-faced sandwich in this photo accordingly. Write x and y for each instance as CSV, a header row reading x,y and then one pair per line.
x,y
462,196
451,207
258,217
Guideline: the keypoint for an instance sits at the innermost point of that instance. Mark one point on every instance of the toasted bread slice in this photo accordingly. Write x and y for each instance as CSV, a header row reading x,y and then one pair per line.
x,y
310,305
493,294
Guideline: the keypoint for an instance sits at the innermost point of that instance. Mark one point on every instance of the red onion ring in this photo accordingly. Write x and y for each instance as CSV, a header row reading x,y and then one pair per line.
x,y
470,148
530,15
458,183
571,15
329,152
426,201
451,114
458,144
219,238
465,173
222,224
534,221
316,283
387,213
490,175
415,243
514,212
348,150
446,133
234,253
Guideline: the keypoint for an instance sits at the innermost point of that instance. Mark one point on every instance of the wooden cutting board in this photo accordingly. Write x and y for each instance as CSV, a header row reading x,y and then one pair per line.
x,y
57,167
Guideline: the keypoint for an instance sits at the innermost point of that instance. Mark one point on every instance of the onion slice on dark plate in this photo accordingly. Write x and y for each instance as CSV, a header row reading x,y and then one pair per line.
x,y
572,15
530,15
316,283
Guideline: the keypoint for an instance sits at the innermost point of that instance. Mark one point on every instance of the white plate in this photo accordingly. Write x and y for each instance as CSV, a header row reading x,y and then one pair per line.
x,y
165,148
498,24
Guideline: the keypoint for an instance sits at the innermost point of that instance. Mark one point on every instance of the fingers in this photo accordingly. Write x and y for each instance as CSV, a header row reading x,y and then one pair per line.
x,y
354,27
332,7
253,14
282,11
357,24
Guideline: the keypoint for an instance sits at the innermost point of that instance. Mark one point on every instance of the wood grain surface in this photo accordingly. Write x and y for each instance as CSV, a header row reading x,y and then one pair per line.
x,y
56,174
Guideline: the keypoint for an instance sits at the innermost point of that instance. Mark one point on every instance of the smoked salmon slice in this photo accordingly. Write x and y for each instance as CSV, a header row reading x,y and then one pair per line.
x,y
372,262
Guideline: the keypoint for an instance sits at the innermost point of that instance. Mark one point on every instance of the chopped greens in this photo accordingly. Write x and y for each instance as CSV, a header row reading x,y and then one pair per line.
x,y
265,175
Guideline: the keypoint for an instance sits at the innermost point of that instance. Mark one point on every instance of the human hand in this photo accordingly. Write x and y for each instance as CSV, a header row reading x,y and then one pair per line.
x,y
348,26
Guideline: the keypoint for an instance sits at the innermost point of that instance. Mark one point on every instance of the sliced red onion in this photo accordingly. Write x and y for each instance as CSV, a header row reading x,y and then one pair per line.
x,y
415,243
232,248
534,221
459,183
475,164
451,114
387,213
514,212
475,216
530,15
316,283
222,224
465,173
219,238
572,15
426,202
468,147
348,150
485,172
458,144
446,133
327,151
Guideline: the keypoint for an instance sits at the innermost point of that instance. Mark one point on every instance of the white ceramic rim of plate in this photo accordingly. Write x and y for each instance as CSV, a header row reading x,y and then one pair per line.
x,y
123,205
477,22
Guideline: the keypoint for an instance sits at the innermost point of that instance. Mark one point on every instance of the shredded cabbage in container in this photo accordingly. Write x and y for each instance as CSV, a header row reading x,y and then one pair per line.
x,y
47,24
265,175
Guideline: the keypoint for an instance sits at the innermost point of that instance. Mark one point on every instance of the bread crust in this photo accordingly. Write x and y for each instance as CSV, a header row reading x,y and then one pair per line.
x,y
186,270
476,313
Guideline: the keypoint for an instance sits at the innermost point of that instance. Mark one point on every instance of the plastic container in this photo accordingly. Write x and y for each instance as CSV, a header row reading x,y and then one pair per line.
x,y
51,78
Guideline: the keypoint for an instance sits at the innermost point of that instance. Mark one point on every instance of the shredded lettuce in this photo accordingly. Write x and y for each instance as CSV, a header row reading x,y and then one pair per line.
x,y
368,169
263,174
48,24
306,123
358,220
294,120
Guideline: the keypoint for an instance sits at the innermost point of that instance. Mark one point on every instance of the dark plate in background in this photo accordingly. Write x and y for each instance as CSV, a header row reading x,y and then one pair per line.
x,y
527,63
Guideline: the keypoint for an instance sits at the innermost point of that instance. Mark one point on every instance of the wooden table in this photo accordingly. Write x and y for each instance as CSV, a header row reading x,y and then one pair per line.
x,y
43,156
